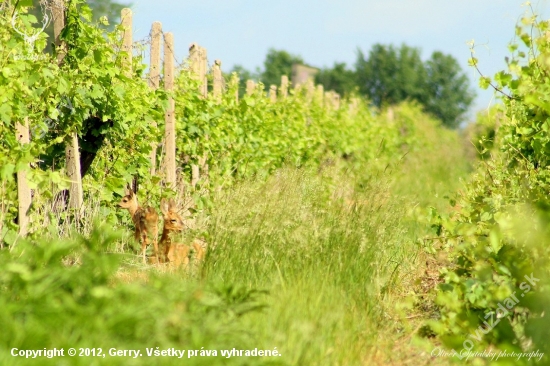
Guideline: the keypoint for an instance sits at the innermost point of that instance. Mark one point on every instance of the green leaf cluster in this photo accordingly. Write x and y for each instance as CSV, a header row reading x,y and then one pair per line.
x,y
498,238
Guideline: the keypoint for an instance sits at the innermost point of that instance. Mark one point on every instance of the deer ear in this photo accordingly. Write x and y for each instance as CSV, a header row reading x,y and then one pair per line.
x,y
172,204
163,206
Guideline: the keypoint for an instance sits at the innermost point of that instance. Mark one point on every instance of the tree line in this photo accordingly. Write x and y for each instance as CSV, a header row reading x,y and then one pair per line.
x,y
386,76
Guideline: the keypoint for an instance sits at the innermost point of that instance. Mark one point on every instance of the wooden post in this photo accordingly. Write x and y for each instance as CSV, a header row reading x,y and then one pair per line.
x,y
72,157
126,18
326,99
170,121
310,88
203,64
234,83
354,106
154,82
23,189
198,62
218,80
336,100
203,165
58,13
273,93
319,94
72,153
194,175
250,87
194,58
390,113
284,86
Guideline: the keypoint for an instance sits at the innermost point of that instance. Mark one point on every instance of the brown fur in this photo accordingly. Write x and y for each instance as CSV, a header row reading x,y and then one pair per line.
x,y
174,253
145,221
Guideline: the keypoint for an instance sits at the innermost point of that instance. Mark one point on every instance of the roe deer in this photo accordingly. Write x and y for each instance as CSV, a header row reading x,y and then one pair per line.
x,y
145,221
175,253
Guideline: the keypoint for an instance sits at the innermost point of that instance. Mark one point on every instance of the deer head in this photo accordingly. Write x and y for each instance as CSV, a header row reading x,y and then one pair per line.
x,y
172,220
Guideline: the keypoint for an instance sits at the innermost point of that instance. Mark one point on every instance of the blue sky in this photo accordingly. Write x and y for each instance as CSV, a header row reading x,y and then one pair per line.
x,y
326,31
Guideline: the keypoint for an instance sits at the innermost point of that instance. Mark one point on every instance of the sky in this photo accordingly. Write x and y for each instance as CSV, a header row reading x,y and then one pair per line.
x,y
322,32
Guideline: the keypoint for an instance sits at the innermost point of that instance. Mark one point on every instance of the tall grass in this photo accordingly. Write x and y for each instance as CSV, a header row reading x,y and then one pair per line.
x,y
327,255
318,263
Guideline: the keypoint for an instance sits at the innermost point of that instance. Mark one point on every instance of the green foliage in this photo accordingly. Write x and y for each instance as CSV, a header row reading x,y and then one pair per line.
x,y
100,8
447,94
498,240
90,94
482,133
301,195
49,302
391,75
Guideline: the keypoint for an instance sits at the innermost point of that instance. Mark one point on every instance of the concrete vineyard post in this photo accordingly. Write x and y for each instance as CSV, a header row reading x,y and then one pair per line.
x,y
284,86
154,81
319,94
310,88
23,189
273,93
203,63
126,20
250,87
336,100
72,154
194,175
218,80
169,118
198,63
390,114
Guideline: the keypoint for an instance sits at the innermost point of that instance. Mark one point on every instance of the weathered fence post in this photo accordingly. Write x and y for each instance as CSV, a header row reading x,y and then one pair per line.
x,y
218,80
336,100
273,93
194,59
354,106
234,83
250,87
154,81
284,86
203,64
327,99
126,20
72,154
58,12
390,113
310,88
319,94
195,176
23,189
198,63
169,118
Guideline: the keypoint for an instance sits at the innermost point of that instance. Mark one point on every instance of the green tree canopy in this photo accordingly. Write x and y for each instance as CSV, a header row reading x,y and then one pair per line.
x,y
447,94
390,75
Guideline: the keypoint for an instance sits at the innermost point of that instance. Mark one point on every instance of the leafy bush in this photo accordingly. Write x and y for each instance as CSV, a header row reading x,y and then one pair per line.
x,y
498,239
